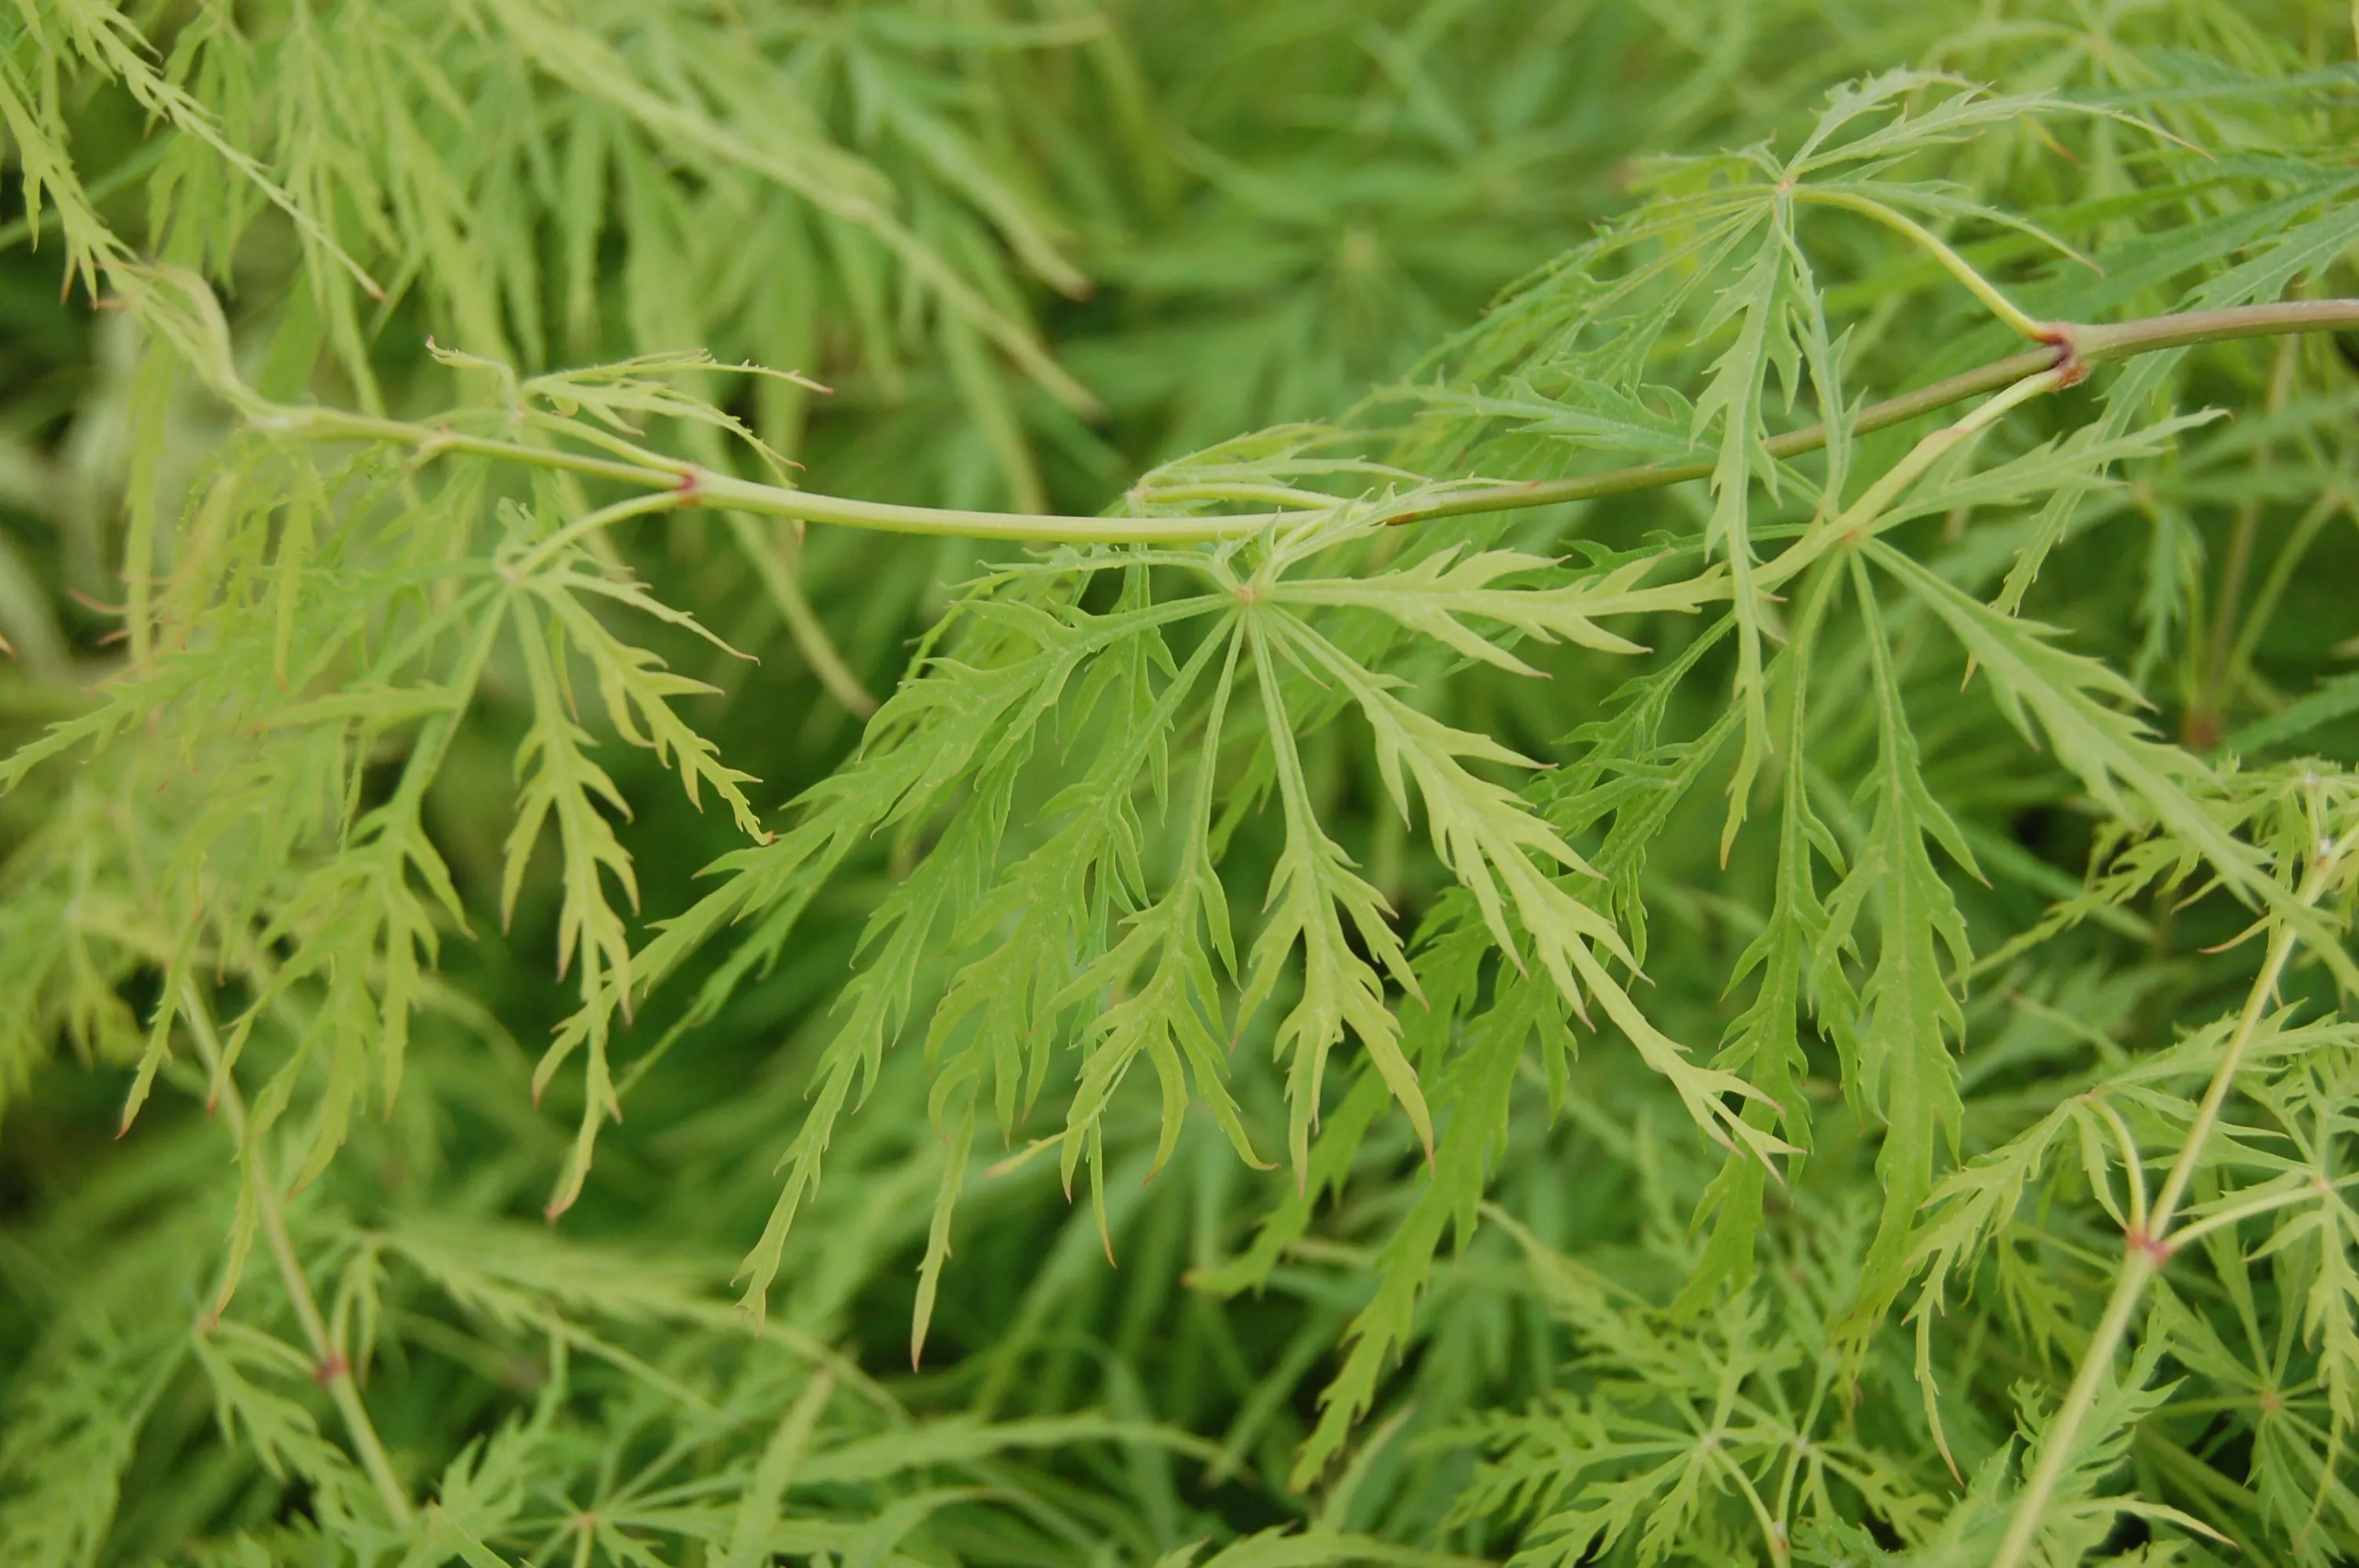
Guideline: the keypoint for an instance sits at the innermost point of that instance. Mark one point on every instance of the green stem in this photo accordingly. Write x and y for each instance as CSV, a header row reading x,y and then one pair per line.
x,y
1863,519
1981,287
2133,1165
2146,1252
1773,1530
2098,345
433,440
333,1370
2071,348
1791,444
2088,345
590,523
2239,1213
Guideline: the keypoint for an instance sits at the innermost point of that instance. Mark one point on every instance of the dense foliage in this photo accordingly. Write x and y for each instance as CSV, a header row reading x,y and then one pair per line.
x,y
1254,782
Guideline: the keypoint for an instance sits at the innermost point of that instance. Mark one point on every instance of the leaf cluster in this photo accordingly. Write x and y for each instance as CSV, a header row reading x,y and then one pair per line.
x,y
1426,781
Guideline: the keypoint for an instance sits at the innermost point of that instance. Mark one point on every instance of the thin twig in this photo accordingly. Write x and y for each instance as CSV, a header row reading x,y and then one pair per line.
x,y
2146,1250
333,1368
2071,348
1993,298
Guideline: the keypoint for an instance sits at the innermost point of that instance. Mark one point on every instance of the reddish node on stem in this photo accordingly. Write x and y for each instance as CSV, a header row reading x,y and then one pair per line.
x,y
688,488
2074,368
2157,1249
329,1370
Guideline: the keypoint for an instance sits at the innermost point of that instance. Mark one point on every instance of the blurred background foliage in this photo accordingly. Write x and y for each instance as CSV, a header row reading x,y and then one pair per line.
x,y
1035,247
